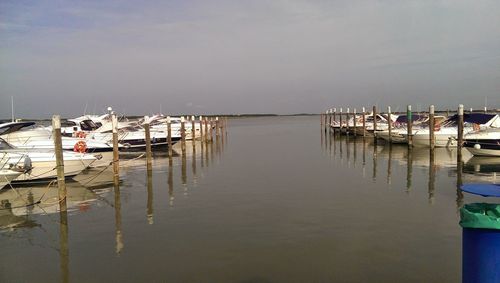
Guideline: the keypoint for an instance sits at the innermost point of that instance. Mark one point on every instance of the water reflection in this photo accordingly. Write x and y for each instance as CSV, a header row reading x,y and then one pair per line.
x,y
149,214
470,169
63,245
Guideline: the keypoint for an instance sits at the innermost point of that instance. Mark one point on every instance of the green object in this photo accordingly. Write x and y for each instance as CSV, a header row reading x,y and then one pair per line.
x,y
480,216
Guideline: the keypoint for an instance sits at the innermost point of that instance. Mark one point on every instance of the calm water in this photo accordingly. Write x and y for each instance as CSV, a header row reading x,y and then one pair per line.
x,y
276,200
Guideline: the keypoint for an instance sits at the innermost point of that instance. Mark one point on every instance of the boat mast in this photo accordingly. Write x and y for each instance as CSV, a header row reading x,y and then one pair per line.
x,y
12,107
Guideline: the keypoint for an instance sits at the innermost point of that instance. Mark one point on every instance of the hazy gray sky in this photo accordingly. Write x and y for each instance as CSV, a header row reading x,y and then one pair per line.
x,y
246,56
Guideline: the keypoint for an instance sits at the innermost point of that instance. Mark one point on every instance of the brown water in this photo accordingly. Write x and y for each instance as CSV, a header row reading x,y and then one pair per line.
x,y
277,200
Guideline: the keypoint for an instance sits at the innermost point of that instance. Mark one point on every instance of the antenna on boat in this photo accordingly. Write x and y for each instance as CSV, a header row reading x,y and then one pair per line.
x,y
12,107
85,109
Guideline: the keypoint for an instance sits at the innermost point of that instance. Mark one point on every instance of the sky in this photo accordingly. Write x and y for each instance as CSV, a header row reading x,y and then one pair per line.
x,y
230,57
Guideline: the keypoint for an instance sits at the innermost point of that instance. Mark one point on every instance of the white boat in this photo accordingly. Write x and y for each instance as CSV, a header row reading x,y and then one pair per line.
x,y
7,175
485,141
446,134
40,165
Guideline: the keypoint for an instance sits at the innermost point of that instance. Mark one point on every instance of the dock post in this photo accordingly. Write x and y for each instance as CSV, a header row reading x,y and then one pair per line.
x,y
116,156
325,116
201,130
389,121
205,121
329,118
211,129
193,128
460,134
183,136
485,110
340,121
347,129
364,122
375,124
217,128
334,118
409,121
432,139
355,126
147,132
61,183
169,137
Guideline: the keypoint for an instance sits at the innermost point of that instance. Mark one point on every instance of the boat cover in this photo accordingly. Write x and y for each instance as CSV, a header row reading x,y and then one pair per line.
x,y
485,190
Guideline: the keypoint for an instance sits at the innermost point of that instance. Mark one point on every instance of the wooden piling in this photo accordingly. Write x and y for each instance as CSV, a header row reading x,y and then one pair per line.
x,y
432,138
347,130
147,132
201,130
389,123
334,118
169,137
211,129
217,127
374,123
325,117
355,126
340,121
61,184
193,129
183,136
116,156
207,133
409,121
364,122
460,134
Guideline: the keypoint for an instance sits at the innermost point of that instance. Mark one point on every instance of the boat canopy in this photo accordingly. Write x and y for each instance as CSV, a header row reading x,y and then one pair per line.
x,y
474,118
404,118
11,127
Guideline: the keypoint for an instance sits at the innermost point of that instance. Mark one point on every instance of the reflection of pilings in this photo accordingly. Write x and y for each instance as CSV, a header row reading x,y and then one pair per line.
x,y
150,197
374,167
322,138
183,173
409,169
63,245
212,153
354,150
193,167
389,164
348,151
118,219
432,175
460,167
364,157
170,182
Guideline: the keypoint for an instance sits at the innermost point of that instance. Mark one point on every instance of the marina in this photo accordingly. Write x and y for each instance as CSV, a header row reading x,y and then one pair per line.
x,y
273,199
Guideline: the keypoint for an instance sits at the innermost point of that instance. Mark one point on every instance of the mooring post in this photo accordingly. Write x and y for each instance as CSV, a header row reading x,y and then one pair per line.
x,y
409,121
217,127
334,116
325,116
355,126
201,130
330,111
364,122
193,129
389,123
375,123
169,137
116,157
432,139
147,132
347,130
485,110
61,184
183,136
211,129
340,121
207,133
460,133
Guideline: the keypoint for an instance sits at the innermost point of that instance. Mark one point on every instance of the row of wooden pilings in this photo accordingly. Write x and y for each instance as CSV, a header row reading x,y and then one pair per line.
x,y
208,128
330,117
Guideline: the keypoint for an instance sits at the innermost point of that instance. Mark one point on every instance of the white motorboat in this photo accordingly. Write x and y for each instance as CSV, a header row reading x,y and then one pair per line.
x,y
485,141
7,175
446,133
40,165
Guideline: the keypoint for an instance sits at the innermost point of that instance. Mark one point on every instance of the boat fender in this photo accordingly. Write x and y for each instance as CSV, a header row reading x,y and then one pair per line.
x,y
28,165
477,146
